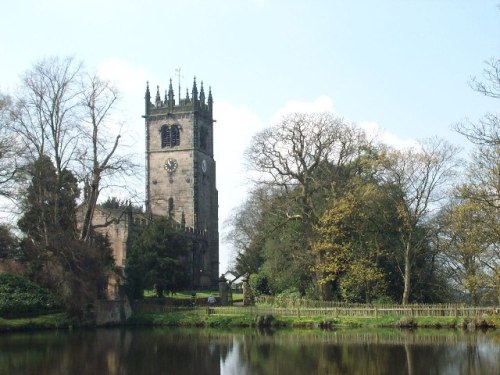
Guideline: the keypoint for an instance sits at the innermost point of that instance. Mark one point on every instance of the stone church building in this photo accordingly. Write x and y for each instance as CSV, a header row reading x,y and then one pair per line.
x,y
180,181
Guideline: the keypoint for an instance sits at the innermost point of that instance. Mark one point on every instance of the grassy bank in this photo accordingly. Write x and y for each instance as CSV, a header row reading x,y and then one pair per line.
x,y
200,318
53,321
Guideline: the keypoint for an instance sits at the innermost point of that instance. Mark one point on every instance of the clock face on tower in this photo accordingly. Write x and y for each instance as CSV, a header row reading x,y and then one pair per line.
x,y
171,165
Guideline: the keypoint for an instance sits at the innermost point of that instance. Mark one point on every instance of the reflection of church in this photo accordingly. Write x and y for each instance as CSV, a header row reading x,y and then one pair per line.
x,y
180,180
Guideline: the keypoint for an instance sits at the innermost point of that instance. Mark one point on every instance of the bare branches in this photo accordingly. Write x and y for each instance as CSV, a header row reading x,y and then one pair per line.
x,y
483,183
291,154
421,178
490,84
45,113
97,101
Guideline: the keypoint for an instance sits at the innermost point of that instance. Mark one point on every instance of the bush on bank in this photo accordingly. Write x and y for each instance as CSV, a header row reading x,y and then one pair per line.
x,y
20,297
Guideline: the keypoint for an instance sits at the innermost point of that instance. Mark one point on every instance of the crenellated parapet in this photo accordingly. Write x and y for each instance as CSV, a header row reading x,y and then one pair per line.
x,y
193,102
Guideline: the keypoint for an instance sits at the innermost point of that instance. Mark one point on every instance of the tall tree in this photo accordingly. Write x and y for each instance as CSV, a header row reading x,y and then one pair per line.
x,y
421,177
44,117
99,159
482,182
66,114
297,159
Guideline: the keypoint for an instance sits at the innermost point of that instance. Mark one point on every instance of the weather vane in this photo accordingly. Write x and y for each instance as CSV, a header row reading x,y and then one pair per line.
x,y
178,72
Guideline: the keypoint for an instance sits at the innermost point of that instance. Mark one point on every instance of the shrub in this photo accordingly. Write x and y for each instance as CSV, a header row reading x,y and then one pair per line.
x,y
259,284
21,297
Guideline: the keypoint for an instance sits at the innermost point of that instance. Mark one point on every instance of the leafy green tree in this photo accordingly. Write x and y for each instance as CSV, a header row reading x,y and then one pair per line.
x,y
259,284
158,260
296,160
468,243
355,238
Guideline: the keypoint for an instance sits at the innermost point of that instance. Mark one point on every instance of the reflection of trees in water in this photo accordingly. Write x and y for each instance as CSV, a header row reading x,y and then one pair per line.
x,y
199,351
402,352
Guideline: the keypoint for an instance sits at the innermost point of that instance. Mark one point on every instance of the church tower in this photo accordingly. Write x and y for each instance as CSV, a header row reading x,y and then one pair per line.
x,y
180,173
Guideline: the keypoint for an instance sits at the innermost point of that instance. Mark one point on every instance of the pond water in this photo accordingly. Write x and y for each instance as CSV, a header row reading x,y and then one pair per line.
x,y
144,351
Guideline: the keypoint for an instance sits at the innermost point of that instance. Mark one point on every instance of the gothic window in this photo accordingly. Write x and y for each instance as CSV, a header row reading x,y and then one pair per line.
x,y
165,136
170,136
170,208
174,135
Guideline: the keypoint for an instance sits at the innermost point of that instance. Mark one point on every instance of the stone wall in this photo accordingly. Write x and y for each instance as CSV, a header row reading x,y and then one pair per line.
x,y
112,312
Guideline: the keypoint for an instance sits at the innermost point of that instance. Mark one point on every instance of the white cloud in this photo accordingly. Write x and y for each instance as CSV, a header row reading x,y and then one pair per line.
x,y
373,130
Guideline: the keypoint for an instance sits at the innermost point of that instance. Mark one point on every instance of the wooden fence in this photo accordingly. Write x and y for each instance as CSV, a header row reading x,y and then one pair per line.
x,y
364,311
327,309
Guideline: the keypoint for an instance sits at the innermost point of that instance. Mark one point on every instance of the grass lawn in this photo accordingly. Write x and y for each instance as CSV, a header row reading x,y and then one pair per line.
x,y
52,321
186,294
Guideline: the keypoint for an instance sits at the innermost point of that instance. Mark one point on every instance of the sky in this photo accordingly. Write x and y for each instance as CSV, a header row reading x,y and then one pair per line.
x,y
398,67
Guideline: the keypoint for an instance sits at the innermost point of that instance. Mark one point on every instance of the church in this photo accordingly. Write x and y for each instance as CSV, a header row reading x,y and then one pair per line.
x,y
180,172
180,182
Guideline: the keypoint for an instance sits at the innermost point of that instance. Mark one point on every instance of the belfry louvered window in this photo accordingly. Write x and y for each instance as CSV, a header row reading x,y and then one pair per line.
x,y
174,135
170,136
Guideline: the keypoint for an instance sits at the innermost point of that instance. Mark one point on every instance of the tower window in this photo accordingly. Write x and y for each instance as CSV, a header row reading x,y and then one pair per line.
x,y
175,135
170,136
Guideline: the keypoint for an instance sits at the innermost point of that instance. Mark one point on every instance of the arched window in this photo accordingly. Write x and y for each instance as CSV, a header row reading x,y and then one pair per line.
x,y
175,135
165,136
170,136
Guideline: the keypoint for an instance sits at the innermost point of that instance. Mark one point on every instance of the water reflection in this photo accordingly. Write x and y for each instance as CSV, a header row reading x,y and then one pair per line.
x,y
197,351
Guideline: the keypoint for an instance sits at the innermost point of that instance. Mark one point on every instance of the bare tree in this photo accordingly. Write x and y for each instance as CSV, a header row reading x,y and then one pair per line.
x,y
483,182
421,178
65,113
100,159
45,117
291,155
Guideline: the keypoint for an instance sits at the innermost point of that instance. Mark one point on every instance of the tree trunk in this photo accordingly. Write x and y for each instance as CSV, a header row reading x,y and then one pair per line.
x,y
407,274
89,212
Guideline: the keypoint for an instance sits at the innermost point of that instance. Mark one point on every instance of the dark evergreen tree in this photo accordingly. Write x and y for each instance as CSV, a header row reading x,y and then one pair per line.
x,y
74,270
158,260
8,243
